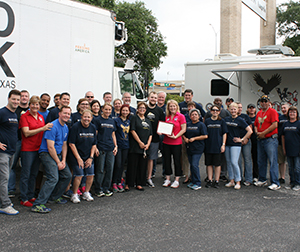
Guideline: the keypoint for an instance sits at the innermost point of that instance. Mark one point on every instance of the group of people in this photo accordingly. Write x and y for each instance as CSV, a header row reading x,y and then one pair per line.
x,y
93,145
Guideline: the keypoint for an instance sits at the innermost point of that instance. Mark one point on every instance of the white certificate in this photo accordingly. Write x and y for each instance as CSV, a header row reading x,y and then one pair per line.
x,y
165,128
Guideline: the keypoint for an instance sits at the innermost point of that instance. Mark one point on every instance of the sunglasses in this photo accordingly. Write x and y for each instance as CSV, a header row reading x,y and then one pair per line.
x,y
90,97
215,110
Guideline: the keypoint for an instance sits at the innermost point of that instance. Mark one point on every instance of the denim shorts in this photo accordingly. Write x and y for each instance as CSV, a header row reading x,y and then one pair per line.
x,y
78,172
153,151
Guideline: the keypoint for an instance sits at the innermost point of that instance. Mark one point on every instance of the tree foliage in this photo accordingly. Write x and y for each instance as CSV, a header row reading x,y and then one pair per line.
x,y
145,43
288,24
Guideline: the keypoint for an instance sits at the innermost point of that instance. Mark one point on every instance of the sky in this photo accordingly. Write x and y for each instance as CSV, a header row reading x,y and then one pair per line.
x,y
189,36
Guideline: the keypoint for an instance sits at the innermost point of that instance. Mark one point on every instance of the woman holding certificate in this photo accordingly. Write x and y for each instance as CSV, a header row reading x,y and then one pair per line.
x,y
172,143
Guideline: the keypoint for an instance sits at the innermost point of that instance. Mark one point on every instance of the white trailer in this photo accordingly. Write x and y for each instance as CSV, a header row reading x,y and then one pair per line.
x,y
245,79
56,46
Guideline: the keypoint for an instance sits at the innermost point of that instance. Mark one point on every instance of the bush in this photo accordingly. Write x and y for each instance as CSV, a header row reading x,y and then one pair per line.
x,y
174,97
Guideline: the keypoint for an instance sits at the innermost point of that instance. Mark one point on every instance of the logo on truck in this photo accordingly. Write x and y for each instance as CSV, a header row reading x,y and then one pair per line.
x,y
5,33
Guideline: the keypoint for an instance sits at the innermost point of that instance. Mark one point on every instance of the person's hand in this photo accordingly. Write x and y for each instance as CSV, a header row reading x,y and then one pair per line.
x,y
142,145
237,139
260,135
173,136
88,163
97,152
3,146
192,140
222,148
48,126
61,165
186,140
146,146
245,141
80,163
115,150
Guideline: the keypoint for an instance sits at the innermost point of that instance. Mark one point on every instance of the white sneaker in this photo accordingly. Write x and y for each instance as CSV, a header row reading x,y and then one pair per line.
x,y
9,210
237,187
150,183
166,183
274,187
87,196
230,184
260,183
296,188
75,198
175,184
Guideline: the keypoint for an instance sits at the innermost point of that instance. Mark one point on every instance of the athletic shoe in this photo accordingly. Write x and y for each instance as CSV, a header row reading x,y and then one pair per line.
x,y
100,194
190,185
261,183
216,184
87,196
32,200
230,184
82,189
206,179
296,188
60,200
79,192
75,198
223,179
255,179
196,187
108,193
115,188
150,183
282,181
208,184
153,176
237,187
274,187
9,210
26,203
246,183
40,209
11,194
166,183
175,184
120,187
68,194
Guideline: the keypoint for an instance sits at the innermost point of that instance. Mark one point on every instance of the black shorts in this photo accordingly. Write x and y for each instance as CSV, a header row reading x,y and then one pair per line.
x,y
214,159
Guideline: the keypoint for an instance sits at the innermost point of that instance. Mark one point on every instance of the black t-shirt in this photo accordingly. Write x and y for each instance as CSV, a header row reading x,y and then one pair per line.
x,y
184,108
76,117
282,120
194,130
223,114
154,115
215,129
105,129
291,132
235,128
84,139
143,129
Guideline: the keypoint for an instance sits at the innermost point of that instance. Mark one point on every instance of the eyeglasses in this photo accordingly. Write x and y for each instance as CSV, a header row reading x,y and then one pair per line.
x,y
141,108
84,104
264,101
90,97
215,110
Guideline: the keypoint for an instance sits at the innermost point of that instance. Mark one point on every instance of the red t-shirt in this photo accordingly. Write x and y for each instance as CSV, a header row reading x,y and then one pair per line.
x,y
265,119
31,143
178,120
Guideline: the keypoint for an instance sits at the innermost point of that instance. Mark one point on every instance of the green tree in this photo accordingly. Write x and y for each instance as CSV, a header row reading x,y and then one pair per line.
x,y
107,4
288,24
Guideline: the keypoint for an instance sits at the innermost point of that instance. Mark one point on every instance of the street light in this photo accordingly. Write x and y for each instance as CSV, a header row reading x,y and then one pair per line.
x,y
216,39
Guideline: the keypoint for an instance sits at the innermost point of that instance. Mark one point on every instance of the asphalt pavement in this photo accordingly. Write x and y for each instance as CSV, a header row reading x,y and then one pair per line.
x,y
162,219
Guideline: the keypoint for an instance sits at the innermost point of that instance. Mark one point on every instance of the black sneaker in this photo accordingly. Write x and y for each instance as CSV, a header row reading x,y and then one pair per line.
x,y
206,179
208,184
282,181
216,184
108,193
223,179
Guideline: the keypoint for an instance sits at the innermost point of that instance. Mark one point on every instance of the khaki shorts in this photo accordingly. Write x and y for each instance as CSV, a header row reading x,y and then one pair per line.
x,y
281,157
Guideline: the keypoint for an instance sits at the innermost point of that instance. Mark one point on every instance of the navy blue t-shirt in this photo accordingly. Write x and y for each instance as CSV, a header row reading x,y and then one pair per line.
x,y
105,129
282,120
114,114
235,128
122,133
215,129
291,132
84,139
184,109
194,130
247,120
8,130
76,117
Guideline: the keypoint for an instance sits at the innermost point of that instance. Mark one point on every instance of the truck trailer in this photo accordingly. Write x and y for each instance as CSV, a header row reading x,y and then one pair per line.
x,y
54,46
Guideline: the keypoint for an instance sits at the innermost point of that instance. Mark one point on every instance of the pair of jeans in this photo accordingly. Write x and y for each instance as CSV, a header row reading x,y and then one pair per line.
x,y
13,172
194,166
294,170
232,154
5,164
30,168
120,160
246,154
268,149
57,180
104,166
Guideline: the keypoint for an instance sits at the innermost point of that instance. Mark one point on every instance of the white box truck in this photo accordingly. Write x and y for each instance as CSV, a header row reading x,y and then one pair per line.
x,y
56,46
245,79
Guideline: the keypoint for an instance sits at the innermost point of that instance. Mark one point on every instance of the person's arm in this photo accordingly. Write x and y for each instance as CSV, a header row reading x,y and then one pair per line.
x,y
283,144
64,152
148,143
115,143
76,155
224,143
53,154
272,127
185,139
137,139
199,138
89,161
180,133
248,134
28,133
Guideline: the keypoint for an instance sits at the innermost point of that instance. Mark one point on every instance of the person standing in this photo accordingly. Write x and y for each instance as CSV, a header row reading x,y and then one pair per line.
x,y
281,157
161,99
188,96
44,103
8,140
126,98
90,96
265,126
32,125
53,155
223,112
21,109
107,97
82,105
291,146
154,114
56,100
